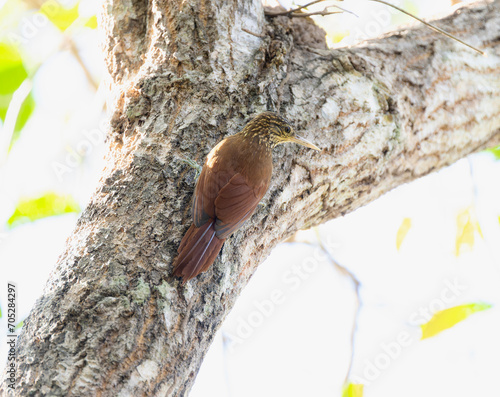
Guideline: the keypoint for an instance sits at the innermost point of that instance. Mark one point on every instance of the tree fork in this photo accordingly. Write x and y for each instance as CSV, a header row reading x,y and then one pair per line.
x,y
185,74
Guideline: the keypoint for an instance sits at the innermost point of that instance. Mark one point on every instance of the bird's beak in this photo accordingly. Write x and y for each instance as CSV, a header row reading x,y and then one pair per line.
x,y
303,142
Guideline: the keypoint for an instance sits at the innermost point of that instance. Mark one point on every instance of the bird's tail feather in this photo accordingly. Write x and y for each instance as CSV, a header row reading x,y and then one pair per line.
x,y
197,251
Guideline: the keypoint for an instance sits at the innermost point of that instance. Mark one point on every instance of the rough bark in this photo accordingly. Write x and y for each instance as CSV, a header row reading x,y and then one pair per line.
x,y
111,320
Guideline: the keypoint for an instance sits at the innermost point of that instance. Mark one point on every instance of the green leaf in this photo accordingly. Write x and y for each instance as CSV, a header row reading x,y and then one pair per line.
x,y
24,114
19,324
402,232
50,204
4,105
92,22
12,71
61,17
447,318
352,390
495,151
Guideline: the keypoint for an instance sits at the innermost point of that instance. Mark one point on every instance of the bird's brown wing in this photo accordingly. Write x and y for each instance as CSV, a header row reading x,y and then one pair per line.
x,y
235,203
207,189
219,216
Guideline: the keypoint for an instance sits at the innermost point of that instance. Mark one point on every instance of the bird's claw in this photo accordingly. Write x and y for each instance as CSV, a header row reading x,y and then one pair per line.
x,y
192,164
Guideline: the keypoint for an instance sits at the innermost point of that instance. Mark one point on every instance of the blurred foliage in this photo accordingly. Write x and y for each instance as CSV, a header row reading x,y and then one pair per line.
x,y
50,204
61,17
12,70
12,75
447,318
467,226
407,5
27,108
495,151
18,25
336,36
4,105
91,23
352,390
402,232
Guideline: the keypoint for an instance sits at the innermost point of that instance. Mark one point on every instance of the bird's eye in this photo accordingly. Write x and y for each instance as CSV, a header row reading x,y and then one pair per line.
x,y
288,129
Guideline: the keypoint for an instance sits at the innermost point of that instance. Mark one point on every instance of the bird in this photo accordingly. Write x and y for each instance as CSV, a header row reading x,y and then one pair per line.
x,y
234,178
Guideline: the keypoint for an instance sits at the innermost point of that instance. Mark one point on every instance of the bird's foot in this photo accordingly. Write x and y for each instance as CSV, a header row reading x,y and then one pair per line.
x,y
192,164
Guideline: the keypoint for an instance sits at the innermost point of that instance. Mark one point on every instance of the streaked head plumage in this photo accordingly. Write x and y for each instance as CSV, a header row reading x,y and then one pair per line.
x,y
271,129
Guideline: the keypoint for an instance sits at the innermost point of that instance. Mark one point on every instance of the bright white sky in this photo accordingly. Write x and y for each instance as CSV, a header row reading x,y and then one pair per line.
x,y
299,345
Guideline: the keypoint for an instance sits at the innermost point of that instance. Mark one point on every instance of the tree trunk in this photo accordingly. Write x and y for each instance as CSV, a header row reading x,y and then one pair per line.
x,y
185,74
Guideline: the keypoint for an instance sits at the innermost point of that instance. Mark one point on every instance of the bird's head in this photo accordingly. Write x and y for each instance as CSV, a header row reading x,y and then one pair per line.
x,y
271,129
